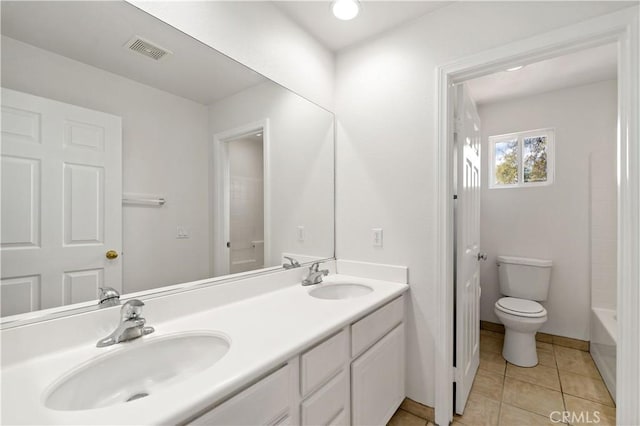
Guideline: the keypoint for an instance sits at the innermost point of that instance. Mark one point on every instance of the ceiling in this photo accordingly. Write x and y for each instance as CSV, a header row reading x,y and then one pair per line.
x,y
575,69
375,17
94,32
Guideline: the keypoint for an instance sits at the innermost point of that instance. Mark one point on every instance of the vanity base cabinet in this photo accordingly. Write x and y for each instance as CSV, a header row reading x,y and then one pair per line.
x,y
356,377
377,380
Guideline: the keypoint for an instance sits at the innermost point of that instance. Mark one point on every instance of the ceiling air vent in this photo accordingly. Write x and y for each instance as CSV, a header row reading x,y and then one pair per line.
x,y
146,48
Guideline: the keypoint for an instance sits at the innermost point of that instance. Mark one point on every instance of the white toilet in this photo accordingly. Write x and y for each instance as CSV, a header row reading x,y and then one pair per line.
x,y
525,282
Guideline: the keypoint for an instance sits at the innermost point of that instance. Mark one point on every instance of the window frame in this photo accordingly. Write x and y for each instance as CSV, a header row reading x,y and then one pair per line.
x,y
549,133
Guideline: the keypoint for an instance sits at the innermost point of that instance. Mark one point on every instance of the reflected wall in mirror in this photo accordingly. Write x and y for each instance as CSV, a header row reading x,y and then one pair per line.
x,y
135,157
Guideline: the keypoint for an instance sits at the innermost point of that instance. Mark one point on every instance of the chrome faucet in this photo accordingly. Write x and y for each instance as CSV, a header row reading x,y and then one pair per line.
x,y
131,325
292,263
108,296
315,275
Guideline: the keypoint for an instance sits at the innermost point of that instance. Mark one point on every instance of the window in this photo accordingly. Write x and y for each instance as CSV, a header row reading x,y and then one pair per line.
x,y
522,159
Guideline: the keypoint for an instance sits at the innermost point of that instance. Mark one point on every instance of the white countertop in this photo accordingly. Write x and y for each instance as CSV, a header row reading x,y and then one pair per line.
x,y
265,332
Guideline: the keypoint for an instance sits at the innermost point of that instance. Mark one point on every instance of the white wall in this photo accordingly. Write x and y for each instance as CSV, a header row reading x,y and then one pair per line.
x,y
301,165
551,222
387,153
165,143
259,36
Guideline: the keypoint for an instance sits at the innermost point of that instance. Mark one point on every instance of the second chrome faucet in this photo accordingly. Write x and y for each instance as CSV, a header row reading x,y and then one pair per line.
x,y
131,325
315,275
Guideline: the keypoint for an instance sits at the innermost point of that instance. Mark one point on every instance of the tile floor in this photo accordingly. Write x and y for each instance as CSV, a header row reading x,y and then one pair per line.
x,y
502,394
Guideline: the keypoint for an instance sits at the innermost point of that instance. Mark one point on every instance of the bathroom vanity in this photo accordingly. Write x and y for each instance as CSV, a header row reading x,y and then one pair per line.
x,y
332,353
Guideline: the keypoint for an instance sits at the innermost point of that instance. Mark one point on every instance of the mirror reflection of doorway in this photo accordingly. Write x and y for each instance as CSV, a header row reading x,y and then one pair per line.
x,y
246,203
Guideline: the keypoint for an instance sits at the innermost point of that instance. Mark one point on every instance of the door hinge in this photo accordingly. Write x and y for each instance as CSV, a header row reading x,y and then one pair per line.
x,y
456,375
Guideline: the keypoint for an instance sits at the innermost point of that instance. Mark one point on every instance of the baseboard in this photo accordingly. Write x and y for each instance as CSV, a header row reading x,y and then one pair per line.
x,y
420,410
567,342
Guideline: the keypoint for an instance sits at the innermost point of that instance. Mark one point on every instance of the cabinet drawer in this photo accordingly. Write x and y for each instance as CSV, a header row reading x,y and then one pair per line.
x,y
322,362
264,403
328,404
371,328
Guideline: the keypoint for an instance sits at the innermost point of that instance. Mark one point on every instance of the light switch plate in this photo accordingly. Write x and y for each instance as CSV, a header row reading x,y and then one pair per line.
x,y
301,233
376,234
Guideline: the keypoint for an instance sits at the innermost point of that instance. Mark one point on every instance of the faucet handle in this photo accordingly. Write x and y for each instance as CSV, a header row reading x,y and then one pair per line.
x,y
131,309
108,296
314,267
292,263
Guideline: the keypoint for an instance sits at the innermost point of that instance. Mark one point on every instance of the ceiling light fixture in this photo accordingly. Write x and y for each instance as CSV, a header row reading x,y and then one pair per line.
x,y
345,10
516,68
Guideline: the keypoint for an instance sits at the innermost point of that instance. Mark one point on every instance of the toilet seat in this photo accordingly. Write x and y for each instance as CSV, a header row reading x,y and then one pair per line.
x,y
521,307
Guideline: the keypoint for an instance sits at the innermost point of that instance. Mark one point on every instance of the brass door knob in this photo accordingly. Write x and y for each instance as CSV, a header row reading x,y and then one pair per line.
x,y
112,254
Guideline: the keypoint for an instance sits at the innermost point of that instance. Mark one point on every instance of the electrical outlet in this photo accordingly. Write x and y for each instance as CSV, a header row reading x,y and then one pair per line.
x,y
376,233
301,233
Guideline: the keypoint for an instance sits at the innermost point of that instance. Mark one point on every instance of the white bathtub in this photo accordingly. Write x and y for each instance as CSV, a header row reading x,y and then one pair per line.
x,y
604,326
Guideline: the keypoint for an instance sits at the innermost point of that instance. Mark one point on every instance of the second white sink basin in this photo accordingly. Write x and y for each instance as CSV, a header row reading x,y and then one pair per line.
x,y
136,371
340,291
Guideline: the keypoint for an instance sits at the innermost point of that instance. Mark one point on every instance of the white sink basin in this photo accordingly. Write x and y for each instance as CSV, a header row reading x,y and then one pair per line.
x,y
135,371
340,291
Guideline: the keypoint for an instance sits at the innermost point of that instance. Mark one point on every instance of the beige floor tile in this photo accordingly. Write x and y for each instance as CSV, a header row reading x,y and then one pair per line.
x,y
491,344
547,358
418,409
488,384
531,397
543,346
493,362
575,361
490,333
538,375
513,416
585,387
404,418
591,412
479,410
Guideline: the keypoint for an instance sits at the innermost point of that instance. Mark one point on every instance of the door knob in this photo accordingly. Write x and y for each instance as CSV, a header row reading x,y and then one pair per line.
x,y
482,256
111,254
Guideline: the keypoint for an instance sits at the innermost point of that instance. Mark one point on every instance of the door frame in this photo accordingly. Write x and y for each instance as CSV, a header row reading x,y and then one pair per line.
x,y
620,27
220,184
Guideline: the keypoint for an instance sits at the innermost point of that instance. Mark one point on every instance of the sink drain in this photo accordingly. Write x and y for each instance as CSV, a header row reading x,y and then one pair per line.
x,y
137,396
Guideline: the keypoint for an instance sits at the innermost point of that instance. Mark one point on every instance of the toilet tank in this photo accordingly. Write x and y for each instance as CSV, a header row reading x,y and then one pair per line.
x,y
524,278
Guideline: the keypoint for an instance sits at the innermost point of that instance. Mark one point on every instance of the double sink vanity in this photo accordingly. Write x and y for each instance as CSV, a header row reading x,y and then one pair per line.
x,y
275,352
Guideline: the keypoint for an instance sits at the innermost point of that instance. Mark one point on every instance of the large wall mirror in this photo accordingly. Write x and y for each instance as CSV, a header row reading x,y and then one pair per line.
x,y
136,157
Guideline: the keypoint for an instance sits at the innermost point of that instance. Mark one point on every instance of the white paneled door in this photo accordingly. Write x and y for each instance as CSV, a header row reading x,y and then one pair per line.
x,y
467,149
61,201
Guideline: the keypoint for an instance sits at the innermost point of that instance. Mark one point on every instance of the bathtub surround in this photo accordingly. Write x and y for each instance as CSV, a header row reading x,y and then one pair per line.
x,y
553,222
603,224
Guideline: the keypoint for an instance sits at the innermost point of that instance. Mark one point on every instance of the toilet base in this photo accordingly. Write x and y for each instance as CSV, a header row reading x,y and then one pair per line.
x,y
520,348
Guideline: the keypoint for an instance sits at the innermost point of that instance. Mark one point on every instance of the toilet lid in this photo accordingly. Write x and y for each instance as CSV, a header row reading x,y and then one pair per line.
x,y
521,307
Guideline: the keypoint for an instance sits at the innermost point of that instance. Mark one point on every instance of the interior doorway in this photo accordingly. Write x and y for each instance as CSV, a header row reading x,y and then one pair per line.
x,y
240,199
622,29
246,203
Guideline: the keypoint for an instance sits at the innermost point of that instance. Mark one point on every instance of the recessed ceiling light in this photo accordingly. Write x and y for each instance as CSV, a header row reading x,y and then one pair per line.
x,y
516,68
345,10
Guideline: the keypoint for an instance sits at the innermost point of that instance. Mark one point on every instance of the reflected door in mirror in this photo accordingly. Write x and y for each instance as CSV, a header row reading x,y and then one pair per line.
x,y
61,202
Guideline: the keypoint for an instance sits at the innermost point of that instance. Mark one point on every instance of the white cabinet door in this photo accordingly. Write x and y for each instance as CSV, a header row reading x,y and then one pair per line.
x,y
61,202
377,380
